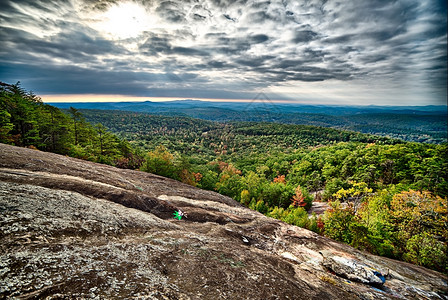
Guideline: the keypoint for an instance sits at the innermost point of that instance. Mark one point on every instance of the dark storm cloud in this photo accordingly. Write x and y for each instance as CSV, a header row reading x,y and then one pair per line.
x,y
304,36
163,45
228,3
171,11
220,43
158,45
188,51
72,79
259,38
85,81
75,45
198,17
286,64
202,93
77,80
256,61
261,43
259,17
306,73
218,65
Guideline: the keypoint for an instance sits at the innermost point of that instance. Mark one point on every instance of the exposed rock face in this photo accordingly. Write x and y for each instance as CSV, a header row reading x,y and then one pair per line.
x,y
353,270
76,229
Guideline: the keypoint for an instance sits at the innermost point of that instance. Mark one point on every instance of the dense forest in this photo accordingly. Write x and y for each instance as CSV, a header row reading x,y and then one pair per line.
x,y
416,124
387,196
26,121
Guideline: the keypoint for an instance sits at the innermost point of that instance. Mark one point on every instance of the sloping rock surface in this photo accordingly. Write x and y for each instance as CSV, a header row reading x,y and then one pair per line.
x,y
76,229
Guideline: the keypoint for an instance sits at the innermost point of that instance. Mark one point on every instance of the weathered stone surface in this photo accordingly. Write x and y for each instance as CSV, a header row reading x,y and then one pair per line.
x,y
353,270
76,229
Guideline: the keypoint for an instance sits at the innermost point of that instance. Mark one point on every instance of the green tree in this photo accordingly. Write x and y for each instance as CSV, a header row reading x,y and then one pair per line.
x,y
53,130
426,250
277,194
230,184
78,120
337,222
160,162
5,126
297,216
253,183
106,144
209,178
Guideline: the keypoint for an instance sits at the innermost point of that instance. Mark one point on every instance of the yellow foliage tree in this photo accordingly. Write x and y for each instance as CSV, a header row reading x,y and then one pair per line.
x,y
417,211
421,221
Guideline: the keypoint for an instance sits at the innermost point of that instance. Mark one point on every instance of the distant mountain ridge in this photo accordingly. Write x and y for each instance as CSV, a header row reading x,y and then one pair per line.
x,y
420,124
241,106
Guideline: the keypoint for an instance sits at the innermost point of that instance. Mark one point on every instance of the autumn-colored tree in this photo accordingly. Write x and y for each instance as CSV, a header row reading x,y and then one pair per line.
x,y
197,176
230,169
354,194
280,179
301,198
414,211
298,200
421,222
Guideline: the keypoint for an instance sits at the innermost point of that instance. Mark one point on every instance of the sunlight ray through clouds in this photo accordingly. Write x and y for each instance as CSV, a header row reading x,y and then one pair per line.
x,y
122,21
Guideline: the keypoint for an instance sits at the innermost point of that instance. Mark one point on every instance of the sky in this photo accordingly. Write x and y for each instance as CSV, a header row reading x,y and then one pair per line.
x,y
363,52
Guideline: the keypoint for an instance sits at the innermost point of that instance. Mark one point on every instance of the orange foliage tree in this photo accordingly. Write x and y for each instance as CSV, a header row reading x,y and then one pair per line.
x,y
301,198
280,179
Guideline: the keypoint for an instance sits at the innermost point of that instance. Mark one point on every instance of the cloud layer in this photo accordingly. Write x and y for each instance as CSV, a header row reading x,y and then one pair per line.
x,y
359,52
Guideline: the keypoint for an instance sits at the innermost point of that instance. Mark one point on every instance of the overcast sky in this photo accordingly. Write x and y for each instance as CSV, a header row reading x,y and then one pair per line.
x,y
381,52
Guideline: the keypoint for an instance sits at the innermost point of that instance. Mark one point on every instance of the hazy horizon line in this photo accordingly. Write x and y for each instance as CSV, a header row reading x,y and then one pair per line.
x,y
93,98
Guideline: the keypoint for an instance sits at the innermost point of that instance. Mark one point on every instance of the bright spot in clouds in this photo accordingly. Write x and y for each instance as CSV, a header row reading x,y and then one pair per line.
x,y
122,20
